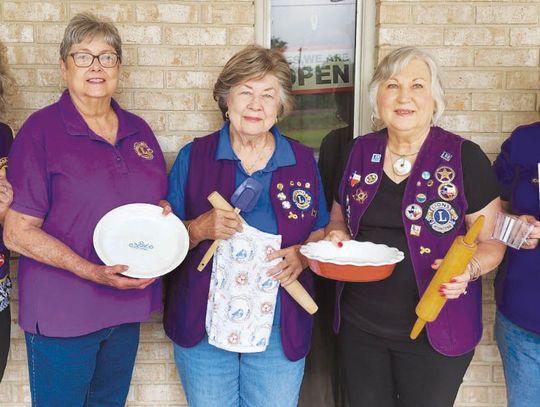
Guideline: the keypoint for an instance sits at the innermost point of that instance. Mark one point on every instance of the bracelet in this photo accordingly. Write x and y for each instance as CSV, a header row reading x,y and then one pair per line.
x,y
475,270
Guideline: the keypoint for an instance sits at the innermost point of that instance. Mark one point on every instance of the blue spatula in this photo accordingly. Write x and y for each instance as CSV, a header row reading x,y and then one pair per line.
x,y
244,199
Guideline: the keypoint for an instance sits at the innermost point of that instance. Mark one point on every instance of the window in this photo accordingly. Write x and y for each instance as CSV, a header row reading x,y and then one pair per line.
x,y
320,40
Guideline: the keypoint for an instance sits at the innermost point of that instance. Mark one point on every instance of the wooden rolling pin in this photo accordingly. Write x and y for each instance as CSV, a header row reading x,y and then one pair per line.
x,y
453,264
295,289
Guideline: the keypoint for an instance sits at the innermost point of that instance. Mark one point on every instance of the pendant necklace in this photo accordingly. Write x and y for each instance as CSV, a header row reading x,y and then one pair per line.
x,y
402,165
249,168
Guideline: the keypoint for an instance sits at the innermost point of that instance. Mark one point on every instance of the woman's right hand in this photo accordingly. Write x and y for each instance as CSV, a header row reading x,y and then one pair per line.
x,y
337,236
110,275
214,224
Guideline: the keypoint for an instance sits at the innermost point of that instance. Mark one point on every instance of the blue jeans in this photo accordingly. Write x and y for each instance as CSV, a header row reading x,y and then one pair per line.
x,y
214,377
90,370
520,353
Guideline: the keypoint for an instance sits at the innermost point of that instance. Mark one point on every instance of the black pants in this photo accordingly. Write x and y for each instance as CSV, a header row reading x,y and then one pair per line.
x,y
5,331
398,373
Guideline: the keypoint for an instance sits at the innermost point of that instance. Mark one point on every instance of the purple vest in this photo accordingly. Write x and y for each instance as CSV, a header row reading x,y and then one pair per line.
x,y
433,210
187,289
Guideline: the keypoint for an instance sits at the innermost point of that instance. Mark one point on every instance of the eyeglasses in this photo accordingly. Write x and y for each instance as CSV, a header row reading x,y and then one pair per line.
x,y
85,59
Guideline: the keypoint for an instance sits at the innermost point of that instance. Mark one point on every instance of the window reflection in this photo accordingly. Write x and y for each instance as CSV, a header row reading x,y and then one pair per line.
x,y
318,39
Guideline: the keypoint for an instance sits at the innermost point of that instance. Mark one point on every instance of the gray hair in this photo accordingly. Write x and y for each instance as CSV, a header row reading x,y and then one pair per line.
x,y
254,62
394,63
85,26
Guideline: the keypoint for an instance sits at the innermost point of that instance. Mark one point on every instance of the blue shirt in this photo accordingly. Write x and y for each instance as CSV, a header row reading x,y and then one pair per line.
x,y
262,216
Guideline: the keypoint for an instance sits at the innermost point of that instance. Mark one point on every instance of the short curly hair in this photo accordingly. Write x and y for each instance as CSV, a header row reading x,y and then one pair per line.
x,y
85,26
254,62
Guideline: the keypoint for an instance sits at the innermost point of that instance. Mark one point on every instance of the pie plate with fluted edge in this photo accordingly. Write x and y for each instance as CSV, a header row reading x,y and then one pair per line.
x,y
140,236
353,261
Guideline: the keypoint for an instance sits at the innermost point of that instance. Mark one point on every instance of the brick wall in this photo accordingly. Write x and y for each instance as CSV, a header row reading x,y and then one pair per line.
x,y
173,53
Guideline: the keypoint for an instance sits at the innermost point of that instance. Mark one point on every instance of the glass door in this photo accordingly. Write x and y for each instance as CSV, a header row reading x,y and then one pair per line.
x,y
318,38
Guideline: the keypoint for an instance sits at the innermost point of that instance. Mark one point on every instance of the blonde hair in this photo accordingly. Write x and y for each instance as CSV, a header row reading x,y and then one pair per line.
x,y
254,62
394,63
7,82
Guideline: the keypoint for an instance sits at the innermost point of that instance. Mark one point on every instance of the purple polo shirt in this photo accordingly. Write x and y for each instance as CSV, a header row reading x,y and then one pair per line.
x,y
65,174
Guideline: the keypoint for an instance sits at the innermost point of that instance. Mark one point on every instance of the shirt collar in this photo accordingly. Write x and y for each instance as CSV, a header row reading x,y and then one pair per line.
x,y
283,155
76,126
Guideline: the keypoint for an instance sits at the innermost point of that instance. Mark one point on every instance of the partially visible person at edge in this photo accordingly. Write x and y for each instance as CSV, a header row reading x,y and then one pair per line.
x,y
252,91
323,381
517,284
416,187
70,164
6,196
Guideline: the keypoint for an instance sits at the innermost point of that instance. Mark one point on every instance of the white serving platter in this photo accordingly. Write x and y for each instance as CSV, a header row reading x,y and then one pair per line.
x,y
139,236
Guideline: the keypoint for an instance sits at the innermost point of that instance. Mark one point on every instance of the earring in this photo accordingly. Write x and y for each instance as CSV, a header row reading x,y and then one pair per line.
x,y
373,124
227,115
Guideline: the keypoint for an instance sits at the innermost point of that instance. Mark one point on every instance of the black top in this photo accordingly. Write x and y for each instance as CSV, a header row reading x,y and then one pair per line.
x,y
386,308
334,146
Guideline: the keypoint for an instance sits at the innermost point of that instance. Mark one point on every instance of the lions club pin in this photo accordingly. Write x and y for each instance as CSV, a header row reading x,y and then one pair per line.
x,y
142,150
301,199
441,217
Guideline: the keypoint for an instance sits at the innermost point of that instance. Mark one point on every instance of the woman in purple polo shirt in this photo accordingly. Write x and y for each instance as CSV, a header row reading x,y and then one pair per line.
x,y
6,195
70,164
252,91
416,187
517,285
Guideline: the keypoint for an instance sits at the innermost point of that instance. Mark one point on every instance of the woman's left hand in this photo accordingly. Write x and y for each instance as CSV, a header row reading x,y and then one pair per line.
x,y
288,269
456,287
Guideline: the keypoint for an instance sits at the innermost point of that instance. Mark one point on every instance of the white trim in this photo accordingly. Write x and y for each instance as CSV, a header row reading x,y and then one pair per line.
x,y
262,23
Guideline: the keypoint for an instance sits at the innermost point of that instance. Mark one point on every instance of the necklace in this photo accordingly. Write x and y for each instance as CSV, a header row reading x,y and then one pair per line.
x,y
258,159
401,166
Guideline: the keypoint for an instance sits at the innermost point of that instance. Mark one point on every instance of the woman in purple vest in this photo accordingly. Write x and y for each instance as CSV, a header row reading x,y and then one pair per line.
x,y
517,284
6,196
416,187
253,91
71,163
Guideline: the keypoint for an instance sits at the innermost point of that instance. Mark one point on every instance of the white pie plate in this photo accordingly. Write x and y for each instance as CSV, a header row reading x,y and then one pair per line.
x,y
139,236
352,252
